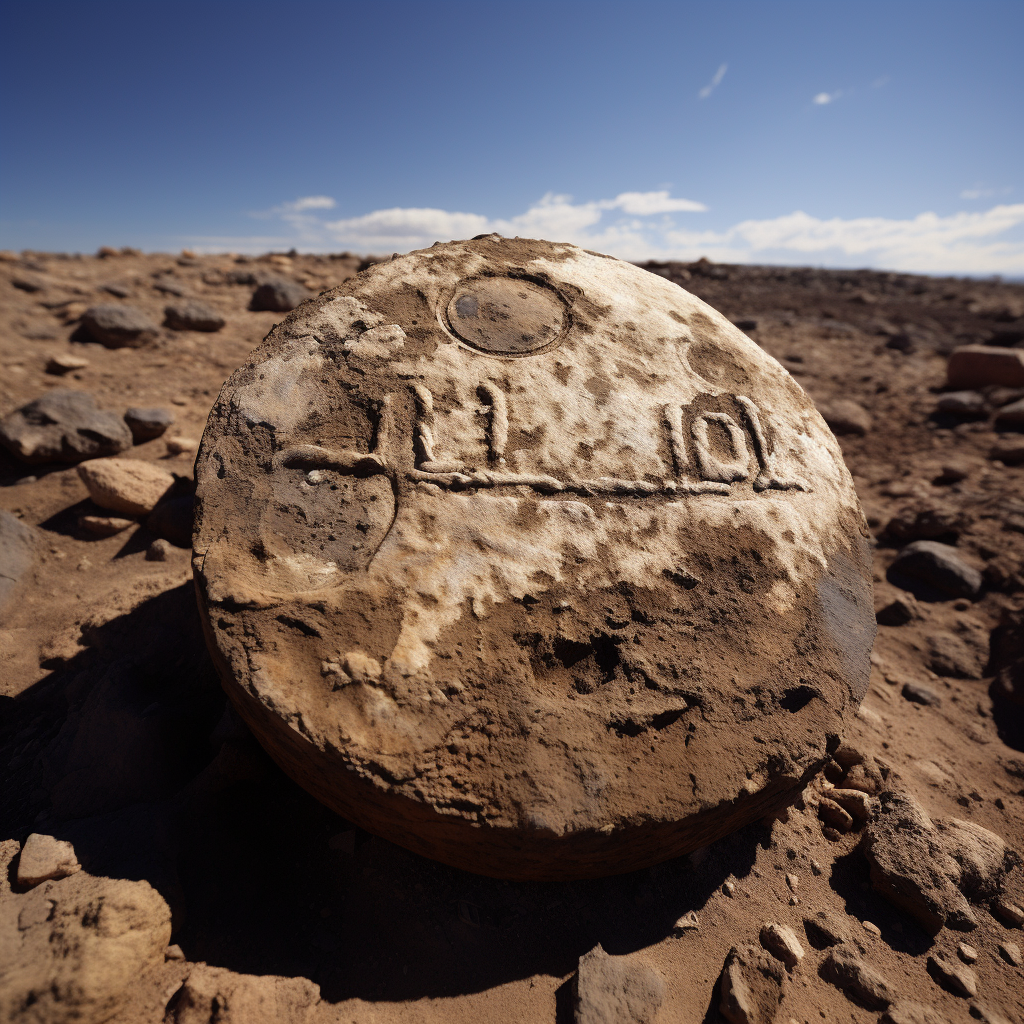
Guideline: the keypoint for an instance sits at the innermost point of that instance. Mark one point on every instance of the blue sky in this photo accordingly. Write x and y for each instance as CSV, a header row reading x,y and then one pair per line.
x,y
830,133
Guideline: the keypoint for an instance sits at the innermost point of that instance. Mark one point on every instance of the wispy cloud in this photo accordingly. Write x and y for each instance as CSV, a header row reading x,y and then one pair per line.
x,y
984,192
715,82
647,225
824,98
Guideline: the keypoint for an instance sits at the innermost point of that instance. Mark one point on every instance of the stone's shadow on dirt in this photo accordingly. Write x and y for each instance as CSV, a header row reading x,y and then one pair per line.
x,y
1008,718
137,760
851,881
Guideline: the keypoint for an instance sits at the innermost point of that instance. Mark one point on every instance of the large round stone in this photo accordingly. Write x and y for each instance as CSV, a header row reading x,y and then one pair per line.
x,y
529,561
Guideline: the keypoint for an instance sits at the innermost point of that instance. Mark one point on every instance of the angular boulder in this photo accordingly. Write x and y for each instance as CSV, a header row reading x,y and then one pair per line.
x,y
118,326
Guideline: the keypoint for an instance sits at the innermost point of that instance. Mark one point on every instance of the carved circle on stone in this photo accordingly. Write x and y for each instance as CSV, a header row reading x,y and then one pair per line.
x,y
537,618
509,316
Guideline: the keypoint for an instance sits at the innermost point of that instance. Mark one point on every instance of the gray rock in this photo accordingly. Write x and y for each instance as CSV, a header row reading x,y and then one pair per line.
x,y
898,612
192,316
826,929
63,426
845,969
1011,417
938,567
953,976
17,553
918,694
948,655
145,424
966,405
118,326
278,295
751,986
846,417
172,520
611,990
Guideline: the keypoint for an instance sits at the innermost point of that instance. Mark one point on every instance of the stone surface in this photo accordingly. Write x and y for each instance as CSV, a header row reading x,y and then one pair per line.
x,y
217,994
955,977
1010,417
782,943
191,315
63,426
590,546
750,988
118,326
977,366
1008,912
826,929
1010,952
933,870
612,990
71,950
159,551
845,968
967,405
906,1012
146,424
44,857
898,612
130,486
65,363
938,567
105,526
278,295
846,417
18,542
948,655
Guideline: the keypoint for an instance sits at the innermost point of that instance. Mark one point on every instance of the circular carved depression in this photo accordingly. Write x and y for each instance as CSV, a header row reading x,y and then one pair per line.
x,y
506,315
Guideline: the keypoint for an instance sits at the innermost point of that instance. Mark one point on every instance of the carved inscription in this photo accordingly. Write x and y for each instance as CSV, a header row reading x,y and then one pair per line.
x,y
743,451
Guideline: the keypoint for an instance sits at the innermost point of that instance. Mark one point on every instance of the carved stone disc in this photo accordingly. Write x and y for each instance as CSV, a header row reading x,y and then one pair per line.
x,y
528,560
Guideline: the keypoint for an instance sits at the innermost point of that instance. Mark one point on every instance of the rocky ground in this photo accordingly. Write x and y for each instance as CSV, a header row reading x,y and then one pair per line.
x,y
157,865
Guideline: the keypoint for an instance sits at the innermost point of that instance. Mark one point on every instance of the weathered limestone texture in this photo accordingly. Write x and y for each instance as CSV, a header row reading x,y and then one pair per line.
x,y
529,561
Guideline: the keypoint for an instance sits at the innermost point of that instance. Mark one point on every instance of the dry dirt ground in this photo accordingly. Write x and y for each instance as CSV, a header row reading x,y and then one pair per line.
x,y
114,734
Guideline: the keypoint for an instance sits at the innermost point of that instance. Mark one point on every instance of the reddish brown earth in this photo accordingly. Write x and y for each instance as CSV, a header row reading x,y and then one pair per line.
x,y
114,735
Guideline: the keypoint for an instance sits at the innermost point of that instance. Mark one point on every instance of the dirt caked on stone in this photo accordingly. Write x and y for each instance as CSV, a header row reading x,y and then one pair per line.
x,y
531,562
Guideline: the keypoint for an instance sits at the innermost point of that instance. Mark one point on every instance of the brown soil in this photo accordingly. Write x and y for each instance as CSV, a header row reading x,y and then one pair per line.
x,y
113,731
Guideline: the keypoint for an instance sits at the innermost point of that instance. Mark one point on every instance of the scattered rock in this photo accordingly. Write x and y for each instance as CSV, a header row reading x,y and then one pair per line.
x,y
1011,453
1008,912
119,326
72,949
948,655
172,520
965,405
846,417
826,929
845,969
953,472
217,994
1010,952
174,952
689,922
63,426
864,777
278,295
930,870
750,986
871,928
43,857
104,526
954,977
966,953
905,1012
611,989
833,815
927,523
64,363
1010,417
857,804
18,543
119,291
899,611
782,943
180,445
125,485
938,566
977,366
918,694
192,316
146,424
158,551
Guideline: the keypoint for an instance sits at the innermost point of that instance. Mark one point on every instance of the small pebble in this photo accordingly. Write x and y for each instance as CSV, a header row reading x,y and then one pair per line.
x,y
689,922
174,952
872,929
104,526
181,445
793,882
158,551
816,868
61,364
729,887
967,953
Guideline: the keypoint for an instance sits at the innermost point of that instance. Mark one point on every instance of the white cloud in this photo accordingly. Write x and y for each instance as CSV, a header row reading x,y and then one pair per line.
x,y
824,98
714,83
312,203
645,225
